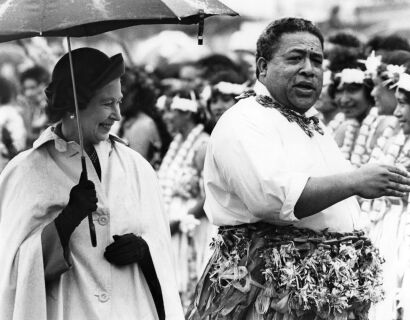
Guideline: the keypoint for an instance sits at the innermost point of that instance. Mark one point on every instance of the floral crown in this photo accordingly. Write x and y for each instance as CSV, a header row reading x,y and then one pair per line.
x,y
390,74
348,76
403,83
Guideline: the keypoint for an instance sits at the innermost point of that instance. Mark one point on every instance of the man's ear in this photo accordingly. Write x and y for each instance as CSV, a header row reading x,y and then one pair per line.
x,y
262,66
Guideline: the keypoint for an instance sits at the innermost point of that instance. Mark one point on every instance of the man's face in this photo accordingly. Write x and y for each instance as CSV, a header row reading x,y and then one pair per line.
x,y
352,101
294,75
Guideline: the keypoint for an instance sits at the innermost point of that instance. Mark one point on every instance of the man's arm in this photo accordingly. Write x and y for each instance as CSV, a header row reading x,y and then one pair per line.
x,y
370,181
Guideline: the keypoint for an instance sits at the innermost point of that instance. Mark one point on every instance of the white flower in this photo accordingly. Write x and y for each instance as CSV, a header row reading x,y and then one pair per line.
x,y
229,88
188,223
372,63
394,70
351,76
206,94
404,82
184,104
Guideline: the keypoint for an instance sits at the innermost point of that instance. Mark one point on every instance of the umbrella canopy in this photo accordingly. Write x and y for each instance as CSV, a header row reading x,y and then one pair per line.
x,y
76,18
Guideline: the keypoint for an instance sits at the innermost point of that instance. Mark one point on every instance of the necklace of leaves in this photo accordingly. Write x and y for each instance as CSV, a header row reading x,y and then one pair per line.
x,y
307,124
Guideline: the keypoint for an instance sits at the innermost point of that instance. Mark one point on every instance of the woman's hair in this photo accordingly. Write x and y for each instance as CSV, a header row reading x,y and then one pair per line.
x,y
93,70
140,94
36,73
269,40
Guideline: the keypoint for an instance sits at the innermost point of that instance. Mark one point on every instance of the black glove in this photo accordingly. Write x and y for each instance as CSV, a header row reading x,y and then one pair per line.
x,y
130,248
83,200
126,249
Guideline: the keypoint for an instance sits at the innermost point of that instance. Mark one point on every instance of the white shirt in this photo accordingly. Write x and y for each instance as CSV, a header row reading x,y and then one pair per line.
x,y
258,163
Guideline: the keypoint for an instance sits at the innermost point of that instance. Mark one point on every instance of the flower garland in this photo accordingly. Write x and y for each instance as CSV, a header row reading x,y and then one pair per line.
x,y
336,122
285,270
179,156
362,149
351,132
397,152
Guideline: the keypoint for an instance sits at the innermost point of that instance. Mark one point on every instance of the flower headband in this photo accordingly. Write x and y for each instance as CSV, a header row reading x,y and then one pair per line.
x,y
351,76
184,104
229,88
404,82
392,73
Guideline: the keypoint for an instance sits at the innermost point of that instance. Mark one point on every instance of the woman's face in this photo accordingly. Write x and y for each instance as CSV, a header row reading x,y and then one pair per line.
x,y
178,119
352,101
402,111
101,113
219,104
384,99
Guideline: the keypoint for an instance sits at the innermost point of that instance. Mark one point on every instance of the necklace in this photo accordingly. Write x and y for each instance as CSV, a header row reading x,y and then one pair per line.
x,y
350,135
307,124
361,150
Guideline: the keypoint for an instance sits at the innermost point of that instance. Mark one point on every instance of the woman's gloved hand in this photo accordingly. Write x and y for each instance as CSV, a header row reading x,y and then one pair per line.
x,y
83,200
126,249
129,248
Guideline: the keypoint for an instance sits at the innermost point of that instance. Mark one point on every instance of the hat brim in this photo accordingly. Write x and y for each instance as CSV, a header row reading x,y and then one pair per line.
x,y
115,69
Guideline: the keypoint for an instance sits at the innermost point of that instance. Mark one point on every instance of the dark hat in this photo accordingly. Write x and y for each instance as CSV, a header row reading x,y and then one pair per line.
x,y
93,70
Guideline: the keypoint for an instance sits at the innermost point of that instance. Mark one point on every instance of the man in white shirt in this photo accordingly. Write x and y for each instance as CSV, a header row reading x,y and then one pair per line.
x,y
269,160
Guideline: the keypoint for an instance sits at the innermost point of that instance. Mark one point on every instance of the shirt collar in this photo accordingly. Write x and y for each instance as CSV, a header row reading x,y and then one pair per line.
x,y
260,89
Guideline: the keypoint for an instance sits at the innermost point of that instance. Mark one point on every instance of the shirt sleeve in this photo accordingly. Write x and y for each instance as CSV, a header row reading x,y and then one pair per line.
x,y
255,165
55,257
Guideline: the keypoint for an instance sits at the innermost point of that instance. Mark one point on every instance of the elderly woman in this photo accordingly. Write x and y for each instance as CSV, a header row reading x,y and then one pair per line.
x,y
49,269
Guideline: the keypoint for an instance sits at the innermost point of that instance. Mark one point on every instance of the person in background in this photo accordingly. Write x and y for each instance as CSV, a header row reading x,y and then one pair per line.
x,y
354,100
12,130
219,95
33,82
141,124
389,228
49,268
180,180
326,104
401,244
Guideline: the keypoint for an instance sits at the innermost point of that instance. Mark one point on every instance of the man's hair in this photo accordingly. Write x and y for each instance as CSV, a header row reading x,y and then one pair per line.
x,y
37,73
268,41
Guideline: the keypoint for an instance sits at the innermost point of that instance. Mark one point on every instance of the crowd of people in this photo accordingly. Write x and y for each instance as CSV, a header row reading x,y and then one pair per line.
x,y
197,167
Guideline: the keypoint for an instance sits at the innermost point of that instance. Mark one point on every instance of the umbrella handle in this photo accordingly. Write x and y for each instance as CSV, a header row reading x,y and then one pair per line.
x,y
90,215
201,23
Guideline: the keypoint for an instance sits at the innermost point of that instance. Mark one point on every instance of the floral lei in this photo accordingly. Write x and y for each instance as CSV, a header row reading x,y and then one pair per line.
x,y
178,157
396,153
351,132
336,122
285,270
361,151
